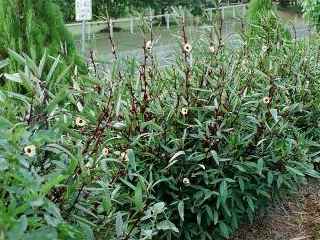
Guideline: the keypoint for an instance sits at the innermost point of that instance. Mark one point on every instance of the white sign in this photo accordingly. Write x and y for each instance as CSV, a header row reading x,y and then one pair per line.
x,y
83,10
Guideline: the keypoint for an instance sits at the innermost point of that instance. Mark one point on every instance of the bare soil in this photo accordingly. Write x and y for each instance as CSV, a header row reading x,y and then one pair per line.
x,y
295,218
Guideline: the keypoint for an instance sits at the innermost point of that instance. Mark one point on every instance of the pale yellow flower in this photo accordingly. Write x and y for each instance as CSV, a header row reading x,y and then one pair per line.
x,y
186,181
124,156
105,151
266,100
184,111
307,84
149,45
80,122
89,165
264,48
30,150
245,62
212,49
187,47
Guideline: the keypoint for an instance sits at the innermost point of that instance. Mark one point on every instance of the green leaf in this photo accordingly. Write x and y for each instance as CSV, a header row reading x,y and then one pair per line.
x,y
313,173
60,77
270,179
241,184
223,191
4,165
274,113
138,200
264,193
2,96
60,96
16,232
52,69
166,225
52,221
130,185
119,226
15,77
45,233
209,213
54,181
132,160
215,217
215,157
181,210
42,64
4,63
59,149
279,181
295,171
87,231
106,203
21,60
240,168
260,165
251,204
224,230
158,208
173,160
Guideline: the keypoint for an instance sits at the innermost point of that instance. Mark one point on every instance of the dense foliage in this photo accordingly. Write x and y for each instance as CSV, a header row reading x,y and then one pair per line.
x,y
32,27
100,8
143,151
263,19
311,9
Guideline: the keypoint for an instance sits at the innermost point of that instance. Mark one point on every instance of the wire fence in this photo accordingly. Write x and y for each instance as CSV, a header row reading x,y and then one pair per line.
x,y
129,39
131,23
126,31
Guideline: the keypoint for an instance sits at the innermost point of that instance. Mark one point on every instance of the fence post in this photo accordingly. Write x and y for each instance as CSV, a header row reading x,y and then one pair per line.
x,y
89,31
131,25
234,12
83,40
151,18
184,17
210,15
111,27
168,21
222,13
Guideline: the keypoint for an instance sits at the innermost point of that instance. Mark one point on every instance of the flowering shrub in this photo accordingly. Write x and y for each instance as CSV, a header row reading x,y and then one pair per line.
x,y
145,152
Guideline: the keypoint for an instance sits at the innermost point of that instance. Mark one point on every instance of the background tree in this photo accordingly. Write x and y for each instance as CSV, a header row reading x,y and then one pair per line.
x,y
284,3
257,9
311,9
264,23
31,26
160,6
115,8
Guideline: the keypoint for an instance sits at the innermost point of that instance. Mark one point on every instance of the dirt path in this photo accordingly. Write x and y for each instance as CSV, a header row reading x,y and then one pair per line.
x,y
297,218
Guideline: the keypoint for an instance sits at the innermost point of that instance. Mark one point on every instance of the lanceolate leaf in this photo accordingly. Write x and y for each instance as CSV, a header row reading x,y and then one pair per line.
x,y
132,160
119,226
181,210
167,225
138,201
